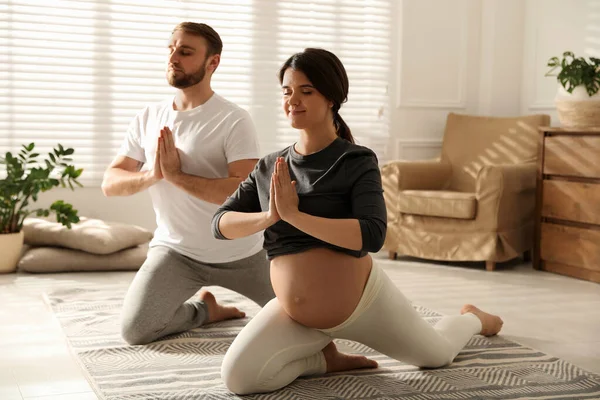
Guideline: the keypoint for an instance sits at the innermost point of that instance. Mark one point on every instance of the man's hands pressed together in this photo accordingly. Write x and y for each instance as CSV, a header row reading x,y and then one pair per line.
x,y
167,163
167,156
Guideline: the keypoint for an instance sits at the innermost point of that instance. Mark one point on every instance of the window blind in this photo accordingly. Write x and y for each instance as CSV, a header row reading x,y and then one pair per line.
x,y
77,72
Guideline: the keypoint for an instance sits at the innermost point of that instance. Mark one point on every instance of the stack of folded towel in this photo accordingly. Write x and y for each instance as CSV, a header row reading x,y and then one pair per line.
x,y
90,245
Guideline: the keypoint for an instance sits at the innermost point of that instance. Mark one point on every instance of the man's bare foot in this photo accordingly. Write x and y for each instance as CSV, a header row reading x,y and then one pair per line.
x,y
490,324
217,312
337,361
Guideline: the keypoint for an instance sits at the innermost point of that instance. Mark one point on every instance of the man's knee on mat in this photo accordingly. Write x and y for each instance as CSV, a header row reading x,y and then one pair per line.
x,y
136,330
134,335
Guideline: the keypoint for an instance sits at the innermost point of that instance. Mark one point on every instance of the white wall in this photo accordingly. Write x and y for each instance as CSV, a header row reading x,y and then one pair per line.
x,y
91,203
555,26
462,56
485,57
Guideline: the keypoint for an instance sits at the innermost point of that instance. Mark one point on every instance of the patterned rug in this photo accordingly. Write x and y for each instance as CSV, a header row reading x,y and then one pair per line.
x,y
186,366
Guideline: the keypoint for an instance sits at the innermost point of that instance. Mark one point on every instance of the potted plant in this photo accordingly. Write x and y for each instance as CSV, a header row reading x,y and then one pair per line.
x,y
25,178
578,97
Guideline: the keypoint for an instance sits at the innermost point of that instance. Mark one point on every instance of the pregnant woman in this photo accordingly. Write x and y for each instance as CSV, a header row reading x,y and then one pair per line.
x,y
320,202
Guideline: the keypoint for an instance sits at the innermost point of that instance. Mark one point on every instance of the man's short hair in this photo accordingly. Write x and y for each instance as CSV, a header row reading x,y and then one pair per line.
x,y
213,40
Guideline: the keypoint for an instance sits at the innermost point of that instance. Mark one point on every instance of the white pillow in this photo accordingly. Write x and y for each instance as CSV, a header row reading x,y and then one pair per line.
x,y
90,235
56,259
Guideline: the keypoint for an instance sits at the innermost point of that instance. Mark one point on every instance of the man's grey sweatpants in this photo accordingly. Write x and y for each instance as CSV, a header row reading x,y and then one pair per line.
x,y
159,301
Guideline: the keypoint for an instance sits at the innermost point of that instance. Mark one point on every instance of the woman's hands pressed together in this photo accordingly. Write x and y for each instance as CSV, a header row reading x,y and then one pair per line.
x,y
272,214
284,197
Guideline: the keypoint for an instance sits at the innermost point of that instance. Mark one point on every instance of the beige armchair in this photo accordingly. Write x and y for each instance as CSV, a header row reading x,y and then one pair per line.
x,y
477,202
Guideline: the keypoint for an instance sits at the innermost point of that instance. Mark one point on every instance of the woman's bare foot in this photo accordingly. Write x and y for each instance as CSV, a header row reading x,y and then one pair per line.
x,y
490,324
337,361
217,312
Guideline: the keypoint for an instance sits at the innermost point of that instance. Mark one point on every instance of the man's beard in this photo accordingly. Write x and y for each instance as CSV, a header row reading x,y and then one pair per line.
x,y
187,80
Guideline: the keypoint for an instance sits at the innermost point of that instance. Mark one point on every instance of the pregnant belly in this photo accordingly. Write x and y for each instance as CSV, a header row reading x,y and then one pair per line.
x,y
319,288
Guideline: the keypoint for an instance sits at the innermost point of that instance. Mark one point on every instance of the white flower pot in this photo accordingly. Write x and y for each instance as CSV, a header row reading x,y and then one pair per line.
x,y
577,109
11,245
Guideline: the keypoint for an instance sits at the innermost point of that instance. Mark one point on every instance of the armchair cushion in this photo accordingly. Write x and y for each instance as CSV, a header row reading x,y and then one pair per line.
x,y
417,175
438,203
397,176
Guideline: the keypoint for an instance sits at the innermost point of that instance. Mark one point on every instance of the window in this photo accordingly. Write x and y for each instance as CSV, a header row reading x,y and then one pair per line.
x,y
77,72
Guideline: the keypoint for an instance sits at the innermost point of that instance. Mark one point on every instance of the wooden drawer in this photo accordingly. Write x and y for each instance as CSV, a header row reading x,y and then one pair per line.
x,y
572,156
573,201
569,270
571,246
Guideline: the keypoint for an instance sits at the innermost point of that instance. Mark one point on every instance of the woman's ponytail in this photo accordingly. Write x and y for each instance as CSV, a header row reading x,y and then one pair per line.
x,y
342,128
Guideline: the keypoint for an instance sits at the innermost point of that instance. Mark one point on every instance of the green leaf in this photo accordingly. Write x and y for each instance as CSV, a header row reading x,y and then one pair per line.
x,y
26,178
575,72
553,62
68,152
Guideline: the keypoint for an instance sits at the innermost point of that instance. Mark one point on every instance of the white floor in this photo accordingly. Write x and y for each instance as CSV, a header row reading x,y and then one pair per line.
x,y
549,312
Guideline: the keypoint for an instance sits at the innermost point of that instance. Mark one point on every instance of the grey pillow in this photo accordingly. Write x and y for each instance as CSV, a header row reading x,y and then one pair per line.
x,y
56,259
90,235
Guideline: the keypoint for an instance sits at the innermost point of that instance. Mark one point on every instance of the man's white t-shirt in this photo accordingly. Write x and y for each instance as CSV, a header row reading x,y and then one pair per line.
x,y
208,138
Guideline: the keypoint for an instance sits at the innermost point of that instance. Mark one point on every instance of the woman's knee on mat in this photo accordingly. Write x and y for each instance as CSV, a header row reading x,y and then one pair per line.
x,y
433,357
239,377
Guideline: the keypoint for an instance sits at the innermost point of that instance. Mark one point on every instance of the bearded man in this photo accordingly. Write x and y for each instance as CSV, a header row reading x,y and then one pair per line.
x,y
191,152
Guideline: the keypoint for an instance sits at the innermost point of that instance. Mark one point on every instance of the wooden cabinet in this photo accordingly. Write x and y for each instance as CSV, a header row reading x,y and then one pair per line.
x,y
567,237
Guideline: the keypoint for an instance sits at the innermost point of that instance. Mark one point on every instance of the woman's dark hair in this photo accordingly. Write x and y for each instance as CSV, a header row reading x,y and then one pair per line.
x,y
327,74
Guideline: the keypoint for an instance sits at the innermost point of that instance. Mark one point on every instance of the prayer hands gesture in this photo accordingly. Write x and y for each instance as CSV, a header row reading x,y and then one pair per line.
x,y
167,161
284,197
156,171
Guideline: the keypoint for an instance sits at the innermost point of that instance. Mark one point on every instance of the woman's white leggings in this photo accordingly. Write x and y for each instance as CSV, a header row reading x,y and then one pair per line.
x,y
273,350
